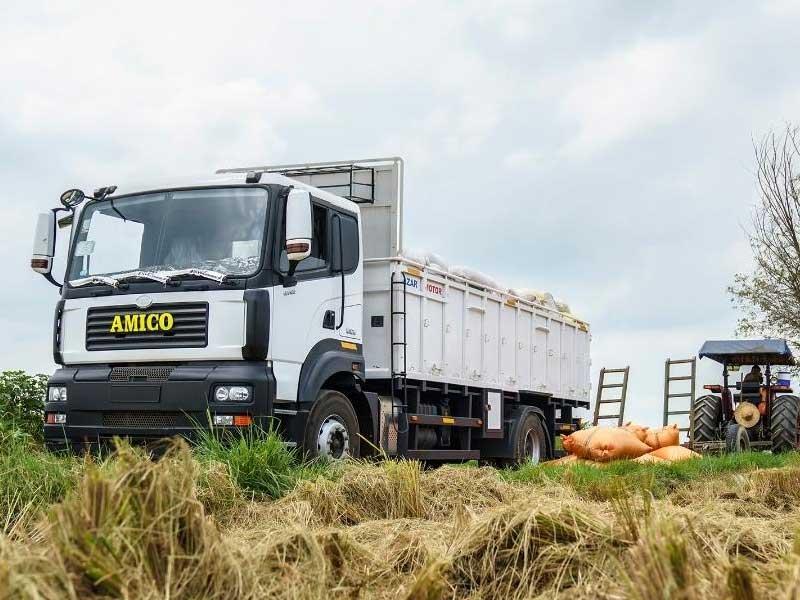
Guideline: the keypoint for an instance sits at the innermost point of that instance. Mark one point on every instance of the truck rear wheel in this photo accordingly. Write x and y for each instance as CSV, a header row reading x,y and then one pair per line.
x,y
530,443
706,415
332,428
784,423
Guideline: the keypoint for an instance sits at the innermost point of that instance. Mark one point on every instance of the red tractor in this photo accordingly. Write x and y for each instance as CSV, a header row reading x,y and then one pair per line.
x,y
759,411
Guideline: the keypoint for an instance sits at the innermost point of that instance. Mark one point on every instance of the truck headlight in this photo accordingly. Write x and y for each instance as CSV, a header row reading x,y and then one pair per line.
x,y
233,393
57,394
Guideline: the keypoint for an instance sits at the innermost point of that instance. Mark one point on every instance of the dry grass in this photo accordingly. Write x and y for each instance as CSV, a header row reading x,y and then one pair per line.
x,y
183,529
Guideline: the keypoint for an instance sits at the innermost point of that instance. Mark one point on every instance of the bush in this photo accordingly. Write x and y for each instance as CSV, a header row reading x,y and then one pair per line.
x,y
22,403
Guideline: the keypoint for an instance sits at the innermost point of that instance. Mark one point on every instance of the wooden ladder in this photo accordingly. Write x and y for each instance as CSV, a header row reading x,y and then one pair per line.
x,y
602,385
669,379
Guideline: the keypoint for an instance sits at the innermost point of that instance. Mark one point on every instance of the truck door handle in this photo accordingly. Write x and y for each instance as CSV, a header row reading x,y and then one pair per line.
x,y
329,320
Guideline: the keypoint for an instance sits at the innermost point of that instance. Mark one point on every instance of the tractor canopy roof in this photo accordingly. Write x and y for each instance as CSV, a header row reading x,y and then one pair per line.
x,y
748,352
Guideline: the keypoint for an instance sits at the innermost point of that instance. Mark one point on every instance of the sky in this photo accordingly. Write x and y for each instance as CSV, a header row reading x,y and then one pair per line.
x,y
599,150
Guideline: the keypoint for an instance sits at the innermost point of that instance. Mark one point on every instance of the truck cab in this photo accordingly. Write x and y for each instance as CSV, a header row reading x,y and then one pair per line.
x,y
219,300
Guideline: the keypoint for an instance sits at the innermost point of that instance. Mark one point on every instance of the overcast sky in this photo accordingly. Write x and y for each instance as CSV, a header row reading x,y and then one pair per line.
x,y
599,150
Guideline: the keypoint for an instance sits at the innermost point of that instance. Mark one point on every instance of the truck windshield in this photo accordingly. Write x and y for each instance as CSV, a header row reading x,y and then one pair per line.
x,y
218,229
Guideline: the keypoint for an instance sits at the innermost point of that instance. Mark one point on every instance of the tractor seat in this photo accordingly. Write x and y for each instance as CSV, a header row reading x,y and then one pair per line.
x,y
751,392
751,387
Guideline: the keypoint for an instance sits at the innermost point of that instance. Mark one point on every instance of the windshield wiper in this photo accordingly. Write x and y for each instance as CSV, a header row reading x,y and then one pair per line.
x,y
95,280
158,276
202,273
162,277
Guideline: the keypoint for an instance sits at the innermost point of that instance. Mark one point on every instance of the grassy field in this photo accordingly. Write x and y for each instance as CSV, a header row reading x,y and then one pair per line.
x,y
251,521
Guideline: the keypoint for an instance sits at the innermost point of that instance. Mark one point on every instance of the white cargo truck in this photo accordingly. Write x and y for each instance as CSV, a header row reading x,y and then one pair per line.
x,y
282,297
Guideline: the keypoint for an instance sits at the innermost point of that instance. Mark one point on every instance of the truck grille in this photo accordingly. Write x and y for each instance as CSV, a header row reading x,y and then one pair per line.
x,y
149,374
189,327
142,420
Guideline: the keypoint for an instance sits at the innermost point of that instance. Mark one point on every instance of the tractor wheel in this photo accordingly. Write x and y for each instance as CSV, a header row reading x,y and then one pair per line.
x,y
706,415
784,423
736,438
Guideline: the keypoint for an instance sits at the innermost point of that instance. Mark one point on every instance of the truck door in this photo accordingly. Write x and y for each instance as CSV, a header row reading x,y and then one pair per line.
x,y
311,311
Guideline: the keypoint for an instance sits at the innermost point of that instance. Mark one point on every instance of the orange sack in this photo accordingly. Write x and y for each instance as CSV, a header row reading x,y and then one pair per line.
x,y
637,430
603,444
674,453
577,439
660,438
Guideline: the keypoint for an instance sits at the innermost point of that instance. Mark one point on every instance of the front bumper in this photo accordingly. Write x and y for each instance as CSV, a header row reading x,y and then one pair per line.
x,y
100,407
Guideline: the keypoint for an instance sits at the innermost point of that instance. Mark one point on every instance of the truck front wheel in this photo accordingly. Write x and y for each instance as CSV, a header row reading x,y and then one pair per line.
x,y
332,428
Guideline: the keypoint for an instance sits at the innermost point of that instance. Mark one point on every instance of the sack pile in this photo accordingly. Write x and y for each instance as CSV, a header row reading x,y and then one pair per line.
x,y
642,444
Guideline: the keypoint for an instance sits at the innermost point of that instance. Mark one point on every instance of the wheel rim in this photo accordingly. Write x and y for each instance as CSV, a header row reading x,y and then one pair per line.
x,y
533,449
333,440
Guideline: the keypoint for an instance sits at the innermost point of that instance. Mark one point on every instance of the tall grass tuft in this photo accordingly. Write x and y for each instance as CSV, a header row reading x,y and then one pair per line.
x,y
134,529
30,479
258,461
517,551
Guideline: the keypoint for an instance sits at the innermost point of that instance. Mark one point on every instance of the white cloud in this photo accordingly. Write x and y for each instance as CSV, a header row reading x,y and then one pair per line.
x,y
521,159
622,94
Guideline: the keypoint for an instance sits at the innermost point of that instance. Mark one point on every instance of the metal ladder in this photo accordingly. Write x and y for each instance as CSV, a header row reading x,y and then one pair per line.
x,y
669,378
398,376
602,385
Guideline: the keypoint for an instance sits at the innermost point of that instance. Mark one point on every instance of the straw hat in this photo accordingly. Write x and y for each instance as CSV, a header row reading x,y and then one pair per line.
x,y
746,414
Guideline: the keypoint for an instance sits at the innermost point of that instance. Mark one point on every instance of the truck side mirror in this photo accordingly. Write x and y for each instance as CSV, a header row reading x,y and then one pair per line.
x,y
298,225
44,243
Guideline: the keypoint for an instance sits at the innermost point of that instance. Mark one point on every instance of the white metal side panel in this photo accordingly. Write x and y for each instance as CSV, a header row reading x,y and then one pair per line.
x,y
376,338
414,340
540,334
508,344
491,338
462,334
454,330
523,349
568,379
433,331
582,342
473,337
554,358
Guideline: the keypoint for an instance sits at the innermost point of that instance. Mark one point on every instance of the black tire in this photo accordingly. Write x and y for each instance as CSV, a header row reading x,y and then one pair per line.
x,y
706,417
530,442
784,423
736,438
332,428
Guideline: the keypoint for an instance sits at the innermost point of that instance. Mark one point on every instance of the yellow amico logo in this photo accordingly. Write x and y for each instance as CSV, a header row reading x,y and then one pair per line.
x,y
140,322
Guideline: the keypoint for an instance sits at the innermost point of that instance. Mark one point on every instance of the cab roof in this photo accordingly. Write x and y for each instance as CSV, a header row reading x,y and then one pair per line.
x,y
748,352
223,179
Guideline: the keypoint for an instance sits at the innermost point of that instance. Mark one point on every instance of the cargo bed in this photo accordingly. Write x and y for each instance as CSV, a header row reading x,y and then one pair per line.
x,y
448,329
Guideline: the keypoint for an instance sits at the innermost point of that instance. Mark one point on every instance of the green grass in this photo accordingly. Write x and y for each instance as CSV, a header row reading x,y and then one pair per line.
x,y
30,478
659,479
259,462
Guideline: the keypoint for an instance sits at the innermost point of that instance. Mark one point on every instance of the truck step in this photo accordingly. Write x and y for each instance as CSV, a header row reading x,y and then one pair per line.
x,y
417,419
443,454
